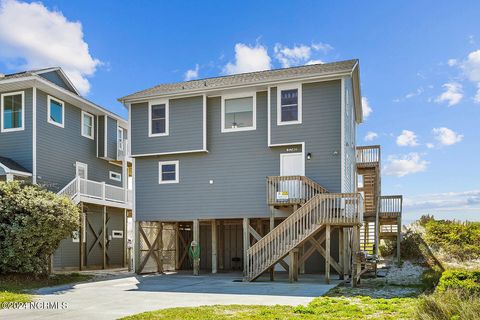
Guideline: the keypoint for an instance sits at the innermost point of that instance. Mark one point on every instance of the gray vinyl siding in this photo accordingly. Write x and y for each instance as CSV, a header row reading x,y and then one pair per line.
x,y
115,218
237,162
349,139
101,136
54,77
17,145
67,254
58,149
320,130
111,139
185,127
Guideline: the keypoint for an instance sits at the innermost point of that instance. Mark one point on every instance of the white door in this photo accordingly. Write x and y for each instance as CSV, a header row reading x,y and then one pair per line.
x,y
81,170
291,164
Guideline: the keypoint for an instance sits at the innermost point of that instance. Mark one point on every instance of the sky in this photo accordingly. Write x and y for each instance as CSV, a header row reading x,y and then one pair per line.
x,y
419,65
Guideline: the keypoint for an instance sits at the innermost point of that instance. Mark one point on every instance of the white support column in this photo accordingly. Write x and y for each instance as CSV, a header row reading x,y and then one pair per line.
x,y
196,237
214,246
9,177
246,243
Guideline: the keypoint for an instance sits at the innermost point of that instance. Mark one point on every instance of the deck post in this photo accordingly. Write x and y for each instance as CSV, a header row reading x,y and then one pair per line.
x,y
377,228
246,243
177,247
125,230
104,238
160,247
82,246
272,226
136,247
214,246
221,247
399,238
341,252
196,237
327,253
293,270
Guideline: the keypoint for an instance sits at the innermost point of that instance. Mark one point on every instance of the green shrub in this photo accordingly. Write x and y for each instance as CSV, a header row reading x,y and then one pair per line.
x,y
33,221
459,240
468,281
431,277
448,305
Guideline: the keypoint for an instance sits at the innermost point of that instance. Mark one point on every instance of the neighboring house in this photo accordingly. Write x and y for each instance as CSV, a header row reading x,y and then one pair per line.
x,y
224,160
53,137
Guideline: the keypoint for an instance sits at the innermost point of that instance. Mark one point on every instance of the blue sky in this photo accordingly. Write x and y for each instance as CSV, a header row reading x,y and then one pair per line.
x,y
420,69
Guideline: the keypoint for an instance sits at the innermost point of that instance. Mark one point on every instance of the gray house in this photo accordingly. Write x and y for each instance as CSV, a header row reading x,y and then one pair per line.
x,y
53,137
259,170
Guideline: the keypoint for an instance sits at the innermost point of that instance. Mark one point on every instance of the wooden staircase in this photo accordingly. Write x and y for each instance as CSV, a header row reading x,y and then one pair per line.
x,y
318,208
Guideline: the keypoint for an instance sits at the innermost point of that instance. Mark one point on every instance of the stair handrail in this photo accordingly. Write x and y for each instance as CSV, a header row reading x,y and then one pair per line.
x,y
306,190
70,190
323,208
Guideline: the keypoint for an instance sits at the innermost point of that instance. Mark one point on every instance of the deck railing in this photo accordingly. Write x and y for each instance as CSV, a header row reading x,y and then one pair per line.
x,y
324,208
287,190
391,206
122,150
88,189
368,155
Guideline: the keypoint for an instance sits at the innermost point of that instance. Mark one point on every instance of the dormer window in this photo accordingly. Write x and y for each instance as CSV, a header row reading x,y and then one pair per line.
x,y
289,105
158,121
239,112
56,112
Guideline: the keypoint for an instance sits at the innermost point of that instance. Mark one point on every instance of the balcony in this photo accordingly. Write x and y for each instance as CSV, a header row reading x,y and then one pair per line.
x,y
390,206
88,191
291,190
368,156
123,151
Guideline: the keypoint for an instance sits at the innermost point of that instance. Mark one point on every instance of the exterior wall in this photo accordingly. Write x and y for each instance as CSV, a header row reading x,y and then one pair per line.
x,y
185,127
349,127
101,136
58,149
237,162
67,254
17,145
54,77
115,217
320,130
111,138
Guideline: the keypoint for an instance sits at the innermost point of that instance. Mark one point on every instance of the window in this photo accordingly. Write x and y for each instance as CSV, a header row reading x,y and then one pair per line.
x,y
168,172
120,138
115,176
87,125
289,105
56,112
158,118
12,111
239,113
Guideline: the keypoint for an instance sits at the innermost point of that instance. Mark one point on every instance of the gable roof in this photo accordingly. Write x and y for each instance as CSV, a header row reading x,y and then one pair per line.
x,y
8,165
259,77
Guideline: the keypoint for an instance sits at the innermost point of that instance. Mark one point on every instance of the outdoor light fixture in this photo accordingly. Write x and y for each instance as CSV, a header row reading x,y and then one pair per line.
x,y
335,153
309,156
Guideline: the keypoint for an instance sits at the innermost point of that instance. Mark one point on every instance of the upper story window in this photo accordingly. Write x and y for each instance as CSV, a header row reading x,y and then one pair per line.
x,y
289,104
119,138
158,118
239,112
12,111
56,112
87,125
168,172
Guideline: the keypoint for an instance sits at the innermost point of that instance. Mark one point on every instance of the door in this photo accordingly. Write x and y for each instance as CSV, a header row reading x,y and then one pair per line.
x,y
292,164
81,170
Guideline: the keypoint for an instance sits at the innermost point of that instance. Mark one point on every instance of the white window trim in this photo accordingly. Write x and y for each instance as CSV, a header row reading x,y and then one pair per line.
x,y
120,129
236,96
22,93
177,171
167,117
115,176
297,86
61,125
93,124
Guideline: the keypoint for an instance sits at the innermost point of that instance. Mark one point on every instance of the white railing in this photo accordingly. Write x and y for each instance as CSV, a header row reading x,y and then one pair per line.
x,y
123,151
95,190
324,208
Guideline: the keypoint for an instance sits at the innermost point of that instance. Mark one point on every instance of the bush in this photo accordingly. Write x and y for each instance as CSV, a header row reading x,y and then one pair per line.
x,y
449,304
468,281
33,221
431,277
458,240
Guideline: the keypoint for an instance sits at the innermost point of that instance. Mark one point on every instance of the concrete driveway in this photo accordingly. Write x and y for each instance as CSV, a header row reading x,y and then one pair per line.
x,y
131,294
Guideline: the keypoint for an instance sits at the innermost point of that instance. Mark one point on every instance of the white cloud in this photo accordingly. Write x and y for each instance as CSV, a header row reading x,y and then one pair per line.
x,y
299,55
403,165
248,59
446,136
477,95
453,94
471,67
371,136
40,38
452,62
416,93
407,139
192,73
430,145
366,107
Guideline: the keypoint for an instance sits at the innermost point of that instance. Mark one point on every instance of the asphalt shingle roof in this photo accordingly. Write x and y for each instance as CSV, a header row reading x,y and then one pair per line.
x,y
12,165
246,78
